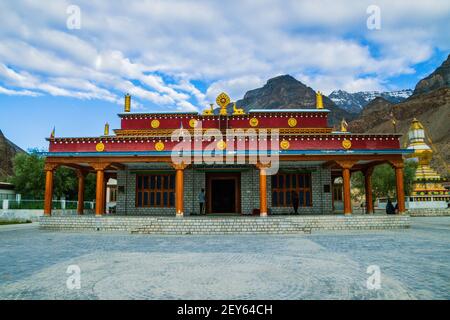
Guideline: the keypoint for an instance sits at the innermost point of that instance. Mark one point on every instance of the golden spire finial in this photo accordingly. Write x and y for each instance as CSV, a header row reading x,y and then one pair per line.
x,y
106,132
319,100
127,103
344,125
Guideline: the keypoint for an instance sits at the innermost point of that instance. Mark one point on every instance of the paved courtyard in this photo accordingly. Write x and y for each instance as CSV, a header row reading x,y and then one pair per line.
x,y
414,264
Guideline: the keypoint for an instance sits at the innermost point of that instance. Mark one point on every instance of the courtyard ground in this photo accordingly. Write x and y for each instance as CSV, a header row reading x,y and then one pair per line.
x,y
414,264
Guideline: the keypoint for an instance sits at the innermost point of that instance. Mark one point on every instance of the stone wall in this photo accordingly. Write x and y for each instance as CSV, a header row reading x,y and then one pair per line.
x,y
34,214
224,225
194,181
321,201
429,212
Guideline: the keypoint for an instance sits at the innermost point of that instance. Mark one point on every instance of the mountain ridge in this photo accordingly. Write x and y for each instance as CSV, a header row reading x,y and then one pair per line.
x,y
355,102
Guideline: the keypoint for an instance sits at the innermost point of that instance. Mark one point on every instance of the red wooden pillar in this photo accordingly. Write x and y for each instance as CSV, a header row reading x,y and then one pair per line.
x,y
48,198
346,166
179,188
81,177
262,189
400,188
368,188
100,187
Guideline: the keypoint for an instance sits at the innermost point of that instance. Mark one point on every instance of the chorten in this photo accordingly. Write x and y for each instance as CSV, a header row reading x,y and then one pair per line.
x,y
427,181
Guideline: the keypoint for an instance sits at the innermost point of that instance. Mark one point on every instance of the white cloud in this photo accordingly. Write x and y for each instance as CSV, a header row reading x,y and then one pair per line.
x,y
235,87
11,92
156,50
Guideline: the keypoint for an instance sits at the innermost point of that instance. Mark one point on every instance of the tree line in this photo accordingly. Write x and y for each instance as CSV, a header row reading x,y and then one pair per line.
x,y
29,178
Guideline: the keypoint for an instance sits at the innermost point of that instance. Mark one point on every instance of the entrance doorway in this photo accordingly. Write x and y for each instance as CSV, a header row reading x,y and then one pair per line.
x,y
223,194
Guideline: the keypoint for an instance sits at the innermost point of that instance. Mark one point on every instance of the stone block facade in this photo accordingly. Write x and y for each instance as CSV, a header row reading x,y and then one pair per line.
x,y
429,212
194,181
224,225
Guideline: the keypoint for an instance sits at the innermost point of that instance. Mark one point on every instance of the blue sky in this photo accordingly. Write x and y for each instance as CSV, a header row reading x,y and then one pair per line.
x,y
178,55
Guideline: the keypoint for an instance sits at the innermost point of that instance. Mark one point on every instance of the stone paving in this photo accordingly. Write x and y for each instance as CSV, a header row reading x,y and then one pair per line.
x,y
414,264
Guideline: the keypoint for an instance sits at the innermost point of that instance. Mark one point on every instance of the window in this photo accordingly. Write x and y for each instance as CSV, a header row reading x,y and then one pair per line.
x,y
284,184
155,190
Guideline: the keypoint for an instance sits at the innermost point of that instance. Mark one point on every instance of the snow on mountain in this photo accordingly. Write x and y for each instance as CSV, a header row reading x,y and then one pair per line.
x,y
355,102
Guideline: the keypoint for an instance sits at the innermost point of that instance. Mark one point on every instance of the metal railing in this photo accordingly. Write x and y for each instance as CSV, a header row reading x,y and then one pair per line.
x,y
39,204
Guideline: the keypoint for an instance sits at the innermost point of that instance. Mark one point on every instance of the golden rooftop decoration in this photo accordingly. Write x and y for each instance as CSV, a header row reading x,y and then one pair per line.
x,y
426,181
346,144
236,111
253,122
344,125
319,100
210,111
154,124
221,145
106,132
100,147
159,146
292,122
223,100
193,123
284,144
127,103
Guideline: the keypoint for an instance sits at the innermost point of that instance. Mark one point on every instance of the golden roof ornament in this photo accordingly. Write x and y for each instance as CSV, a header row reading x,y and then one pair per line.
x,y
223,100
319,100
237,111
210,111
106,132
344,125
127,103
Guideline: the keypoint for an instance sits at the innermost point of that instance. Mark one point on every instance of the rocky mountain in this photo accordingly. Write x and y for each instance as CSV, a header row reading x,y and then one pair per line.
x,y
286,92
376,112
440,78
429,103
431,108
7,152
355,102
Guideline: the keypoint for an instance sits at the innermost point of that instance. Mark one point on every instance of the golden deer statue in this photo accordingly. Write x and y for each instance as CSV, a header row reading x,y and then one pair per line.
x,y
210,111
237,111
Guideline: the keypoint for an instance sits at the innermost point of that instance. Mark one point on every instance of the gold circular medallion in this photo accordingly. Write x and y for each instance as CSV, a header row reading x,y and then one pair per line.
x,y
100,147
346,144
159,146
284,144
253,122
292,122
155,124
221,145
193,123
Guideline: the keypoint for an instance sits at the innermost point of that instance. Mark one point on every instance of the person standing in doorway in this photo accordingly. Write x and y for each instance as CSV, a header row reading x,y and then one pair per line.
x,y
201,200
295,201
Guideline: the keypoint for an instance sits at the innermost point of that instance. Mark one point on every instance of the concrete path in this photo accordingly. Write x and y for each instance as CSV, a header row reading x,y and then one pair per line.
x,y
413,264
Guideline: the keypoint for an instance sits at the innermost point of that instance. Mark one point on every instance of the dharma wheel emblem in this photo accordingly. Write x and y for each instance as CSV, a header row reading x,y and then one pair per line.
x,y
292,122
193,123
221,145
284,144
155,124
346,144
159,146
100,147
253,122
223,100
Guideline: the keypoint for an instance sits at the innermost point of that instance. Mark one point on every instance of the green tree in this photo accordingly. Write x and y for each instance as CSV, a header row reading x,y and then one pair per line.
x,y
383,180
29,178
